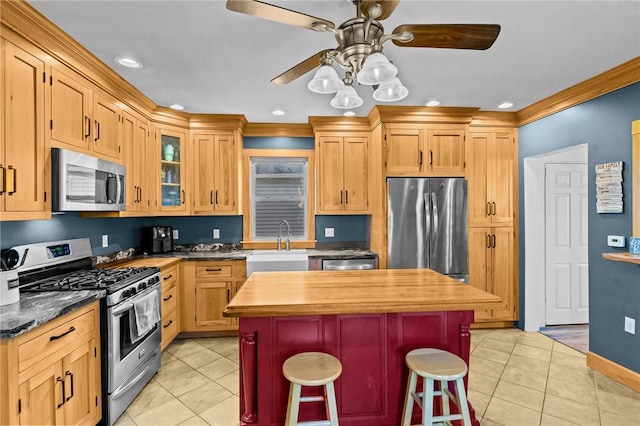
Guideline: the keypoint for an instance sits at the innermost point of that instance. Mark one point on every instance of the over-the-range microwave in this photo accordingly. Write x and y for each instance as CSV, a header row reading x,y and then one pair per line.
x,y
84,183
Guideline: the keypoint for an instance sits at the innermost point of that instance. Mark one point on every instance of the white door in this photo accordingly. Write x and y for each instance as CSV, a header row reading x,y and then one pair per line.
x,y
566,236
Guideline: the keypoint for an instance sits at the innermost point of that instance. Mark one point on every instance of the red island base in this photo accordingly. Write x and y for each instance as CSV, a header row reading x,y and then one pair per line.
x,y
371,347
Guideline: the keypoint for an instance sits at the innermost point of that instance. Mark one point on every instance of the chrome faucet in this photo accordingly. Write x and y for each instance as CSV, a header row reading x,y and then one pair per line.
x,y
287,243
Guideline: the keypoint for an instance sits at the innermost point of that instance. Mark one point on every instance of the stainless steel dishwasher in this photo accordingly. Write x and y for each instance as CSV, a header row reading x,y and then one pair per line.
x,y
348,264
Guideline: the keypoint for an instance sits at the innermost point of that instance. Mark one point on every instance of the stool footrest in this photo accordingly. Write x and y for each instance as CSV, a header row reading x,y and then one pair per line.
x,y
315,423
312,398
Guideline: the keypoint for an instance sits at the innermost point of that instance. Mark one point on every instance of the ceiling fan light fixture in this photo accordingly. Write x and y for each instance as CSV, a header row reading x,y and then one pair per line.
x,y
390,91
346,98
325,81
376,70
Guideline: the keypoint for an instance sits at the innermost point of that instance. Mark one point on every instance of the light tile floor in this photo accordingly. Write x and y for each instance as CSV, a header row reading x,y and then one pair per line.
x,y
515,379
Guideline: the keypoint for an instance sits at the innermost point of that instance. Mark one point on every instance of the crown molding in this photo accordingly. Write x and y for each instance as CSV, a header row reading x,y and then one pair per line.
x,y
228,122
417,114
294,130
494,119
329,123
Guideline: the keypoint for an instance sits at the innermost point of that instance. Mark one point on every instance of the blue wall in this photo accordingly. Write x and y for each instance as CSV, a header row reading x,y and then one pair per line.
x,y
604,124
125,232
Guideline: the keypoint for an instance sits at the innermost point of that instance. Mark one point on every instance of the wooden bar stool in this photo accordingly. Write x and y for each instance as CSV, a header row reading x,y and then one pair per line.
x,y
435,365
312,369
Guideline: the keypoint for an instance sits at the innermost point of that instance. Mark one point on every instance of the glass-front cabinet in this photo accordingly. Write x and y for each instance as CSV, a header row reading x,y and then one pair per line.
x,y
171,152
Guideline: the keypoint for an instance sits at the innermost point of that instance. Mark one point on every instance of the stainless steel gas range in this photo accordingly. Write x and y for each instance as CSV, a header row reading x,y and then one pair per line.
x,y
130,353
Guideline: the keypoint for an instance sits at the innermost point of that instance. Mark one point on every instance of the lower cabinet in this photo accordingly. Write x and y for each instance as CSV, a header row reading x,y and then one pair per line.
x,y
51,375
170,295
492,269
208,287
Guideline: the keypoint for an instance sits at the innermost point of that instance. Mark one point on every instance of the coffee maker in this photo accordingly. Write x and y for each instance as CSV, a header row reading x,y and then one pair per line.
x,y
157,239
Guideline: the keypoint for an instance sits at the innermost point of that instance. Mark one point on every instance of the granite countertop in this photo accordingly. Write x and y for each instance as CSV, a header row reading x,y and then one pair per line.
x,y
35,309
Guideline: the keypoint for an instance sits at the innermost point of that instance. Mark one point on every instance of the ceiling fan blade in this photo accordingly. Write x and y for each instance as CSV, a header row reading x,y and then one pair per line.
x,y
276,13
450,36
388,6
301,69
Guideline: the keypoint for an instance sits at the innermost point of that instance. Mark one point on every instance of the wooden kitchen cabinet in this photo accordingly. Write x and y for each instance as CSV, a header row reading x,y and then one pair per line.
x,y
82,117
170,157
215,167
492,269
208,287
52,373
343,174
135,141
24,171
490,175
424,150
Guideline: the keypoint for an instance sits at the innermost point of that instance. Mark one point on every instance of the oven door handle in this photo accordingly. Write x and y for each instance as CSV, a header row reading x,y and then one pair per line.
x,y
124,308
119,392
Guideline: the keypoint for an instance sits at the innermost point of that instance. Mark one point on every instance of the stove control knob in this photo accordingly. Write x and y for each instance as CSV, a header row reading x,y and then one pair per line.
x,y
156,278
142,286
133,291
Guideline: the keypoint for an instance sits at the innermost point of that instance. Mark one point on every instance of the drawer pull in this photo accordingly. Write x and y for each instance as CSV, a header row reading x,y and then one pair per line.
x,y
59,379
168,298
168,324
70,374
168,277
52,338
214,269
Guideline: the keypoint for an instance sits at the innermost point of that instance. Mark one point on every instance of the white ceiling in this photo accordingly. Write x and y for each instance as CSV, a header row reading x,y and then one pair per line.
x,y
211,60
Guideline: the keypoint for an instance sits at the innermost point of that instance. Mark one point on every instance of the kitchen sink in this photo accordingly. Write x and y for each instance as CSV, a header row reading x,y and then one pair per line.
x,y
277,260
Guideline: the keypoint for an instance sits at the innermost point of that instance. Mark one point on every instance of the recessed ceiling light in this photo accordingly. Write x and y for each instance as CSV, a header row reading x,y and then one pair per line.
x,y
176,107
128,62
349,113
505,105
433,103
277,112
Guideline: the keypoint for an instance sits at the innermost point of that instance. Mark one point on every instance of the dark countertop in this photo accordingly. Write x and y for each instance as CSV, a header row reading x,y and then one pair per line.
x,y
35,309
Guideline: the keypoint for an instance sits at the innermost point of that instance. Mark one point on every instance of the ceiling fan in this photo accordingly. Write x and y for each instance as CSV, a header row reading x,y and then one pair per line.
x,y
360,40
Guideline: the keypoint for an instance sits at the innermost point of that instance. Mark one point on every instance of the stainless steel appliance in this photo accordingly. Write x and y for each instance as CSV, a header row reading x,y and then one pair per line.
x,y
157,239
348,264
427,225
84,183
9,292
128,360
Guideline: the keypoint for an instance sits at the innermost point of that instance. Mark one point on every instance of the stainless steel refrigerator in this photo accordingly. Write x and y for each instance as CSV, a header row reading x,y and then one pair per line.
x,y
427,219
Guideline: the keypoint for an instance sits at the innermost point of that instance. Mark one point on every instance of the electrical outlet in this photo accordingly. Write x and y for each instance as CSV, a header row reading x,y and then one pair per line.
x,y
328,232
176,234
105,241
216,234
615,240
630,325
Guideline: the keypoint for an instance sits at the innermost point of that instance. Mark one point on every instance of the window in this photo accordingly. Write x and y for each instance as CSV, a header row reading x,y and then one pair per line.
x,y
280,187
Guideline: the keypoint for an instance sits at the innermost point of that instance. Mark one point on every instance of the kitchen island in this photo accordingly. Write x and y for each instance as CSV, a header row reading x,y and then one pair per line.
x,y
368,319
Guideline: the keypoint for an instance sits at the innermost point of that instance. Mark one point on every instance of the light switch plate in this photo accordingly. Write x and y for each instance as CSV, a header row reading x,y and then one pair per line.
x,y
176,234
105,241
615,240
630,325
328,232
216,234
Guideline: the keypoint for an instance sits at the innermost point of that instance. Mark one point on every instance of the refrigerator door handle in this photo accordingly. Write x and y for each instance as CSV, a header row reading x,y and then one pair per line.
x,y
427,215
434,226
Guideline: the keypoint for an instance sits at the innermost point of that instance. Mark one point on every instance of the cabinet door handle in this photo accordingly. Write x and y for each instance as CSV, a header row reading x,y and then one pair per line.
x,y
430,157
184,197
140,196
420,163
213,269
346,197
488,240
168,324
211,197
488,208
70,374
493,208
228,295
59,379
87,122
168,277
15,180
3,176
136,187
494,241
216,196
71,329
97,130
168,298
340,197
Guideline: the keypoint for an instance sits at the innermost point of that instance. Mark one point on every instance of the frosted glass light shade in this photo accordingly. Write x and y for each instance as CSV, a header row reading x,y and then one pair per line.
x,y
376,69
325,81
390,91
346,98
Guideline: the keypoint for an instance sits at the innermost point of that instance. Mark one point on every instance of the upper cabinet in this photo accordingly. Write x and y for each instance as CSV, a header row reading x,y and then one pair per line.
x,y
490,173
170,153
135,141
215,168
342,173
424,150
83,118
23,169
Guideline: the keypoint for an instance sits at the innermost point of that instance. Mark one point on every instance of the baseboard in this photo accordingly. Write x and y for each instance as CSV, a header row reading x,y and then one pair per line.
x,y
615,371
492,324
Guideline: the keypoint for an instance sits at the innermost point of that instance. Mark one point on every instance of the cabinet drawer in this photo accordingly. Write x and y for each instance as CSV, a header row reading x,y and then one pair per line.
x,y
213,271
53,340
169,277
169,328
169,300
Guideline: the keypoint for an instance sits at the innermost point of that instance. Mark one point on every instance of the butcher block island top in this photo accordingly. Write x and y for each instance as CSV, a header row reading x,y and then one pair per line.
x,y
354,292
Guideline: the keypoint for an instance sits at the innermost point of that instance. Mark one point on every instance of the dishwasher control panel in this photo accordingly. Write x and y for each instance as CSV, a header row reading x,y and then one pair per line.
x,y
348,264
